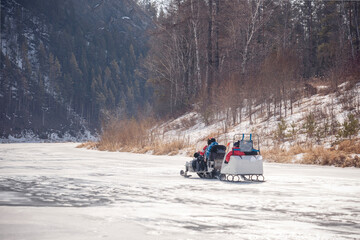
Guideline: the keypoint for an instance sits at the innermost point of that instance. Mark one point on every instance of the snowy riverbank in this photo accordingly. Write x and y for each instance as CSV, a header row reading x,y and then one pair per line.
x,y
31,137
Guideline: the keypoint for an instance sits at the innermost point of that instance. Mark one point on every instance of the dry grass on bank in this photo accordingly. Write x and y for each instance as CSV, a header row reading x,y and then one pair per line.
x,y
276,154
344,154
124,134
88,145
323,156
136,136
164,148
140,137
348,146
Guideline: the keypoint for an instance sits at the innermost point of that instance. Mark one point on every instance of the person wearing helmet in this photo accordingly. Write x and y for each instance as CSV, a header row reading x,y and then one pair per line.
x,y
235,151
212,143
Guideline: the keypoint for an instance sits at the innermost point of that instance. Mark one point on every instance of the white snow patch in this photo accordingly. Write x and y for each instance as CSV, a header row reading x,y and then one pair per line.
x,y
28,136
19,63
322,87
298,157
343,84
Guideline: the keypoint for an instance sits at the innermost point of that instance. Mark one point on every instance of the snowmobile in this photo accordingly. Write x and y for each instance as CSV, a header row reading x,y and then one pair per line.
x,y
206,168
237,168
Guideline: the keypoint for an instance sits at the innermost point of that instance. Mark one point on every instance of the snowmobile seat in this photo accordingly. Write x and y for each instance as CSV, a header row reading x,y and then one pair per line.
x,y
217,152
217,148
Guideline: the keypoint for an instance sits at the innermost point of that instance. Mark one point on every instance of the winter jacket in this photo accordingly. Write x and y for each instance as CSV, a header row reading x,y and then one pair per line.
x,y
209,148
235,152
203,151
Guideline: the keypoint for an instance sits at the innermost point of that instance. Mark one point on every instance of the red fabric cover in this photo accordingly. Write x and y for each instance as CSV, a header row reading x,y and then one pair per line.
x,y
235,153
203,151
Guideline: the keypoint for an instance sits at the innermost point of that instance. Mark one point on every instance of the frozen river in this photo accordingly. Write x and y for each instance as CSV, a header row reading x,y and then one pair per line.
x,y
57,191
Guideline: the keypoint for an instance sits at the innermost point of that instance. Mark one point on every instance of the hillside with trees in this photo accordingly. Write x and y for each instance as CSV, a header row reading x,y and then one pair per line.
x,y
285,70
66,64
113,65
232,54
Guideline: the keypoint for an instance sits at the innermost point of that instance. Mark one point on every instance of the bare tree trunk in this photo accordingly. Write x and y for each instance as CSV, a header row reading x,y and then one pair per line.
x,y
217,36
209,52
234,114
250,34
356,20
250,110
284,99
171,97
285,24
240,114
280,102
348,23
244,58
197,58
310,57
274,107
177,57
43,117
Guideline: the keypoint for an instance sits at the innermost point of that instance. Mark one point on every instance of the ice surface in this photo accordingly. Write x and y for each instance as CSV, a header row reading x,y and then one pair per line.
x,y
57,191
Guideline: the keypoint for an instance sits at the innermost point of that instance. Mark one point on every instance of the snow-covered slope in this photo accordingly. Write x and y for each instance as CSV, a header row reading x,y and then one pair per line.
x,y
192,128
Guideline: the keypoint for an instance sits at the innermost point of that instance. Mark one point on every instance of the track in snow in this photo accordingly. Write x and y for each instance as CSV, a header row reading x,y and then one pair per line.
x,y
56,191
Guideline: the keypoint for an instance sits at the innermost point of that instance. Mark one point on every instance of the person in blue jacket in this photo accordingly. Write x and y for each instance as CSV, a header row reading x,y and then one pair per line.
x,y
208,150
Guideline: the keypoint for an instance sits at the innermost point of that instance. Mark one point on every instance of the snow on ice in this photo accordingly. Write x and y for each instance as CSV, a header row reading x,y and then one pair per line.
x,y
57,191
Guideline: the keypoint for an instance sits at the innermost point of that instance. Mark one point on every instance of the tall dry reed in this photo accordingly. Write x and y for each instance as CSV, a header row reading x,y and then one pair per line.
x,y
139,136
126,133
345,154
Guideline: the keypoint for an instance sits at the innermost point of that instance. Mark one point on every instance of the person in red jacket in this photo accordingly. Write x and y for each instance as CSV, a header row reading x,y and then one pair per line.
x,y
204,149
235,151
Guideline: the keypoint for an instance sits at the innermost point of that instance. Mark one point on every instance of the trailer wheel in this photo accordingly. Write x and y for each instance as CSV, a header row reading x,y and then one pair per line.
x,y
237,178
261,178
222,177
